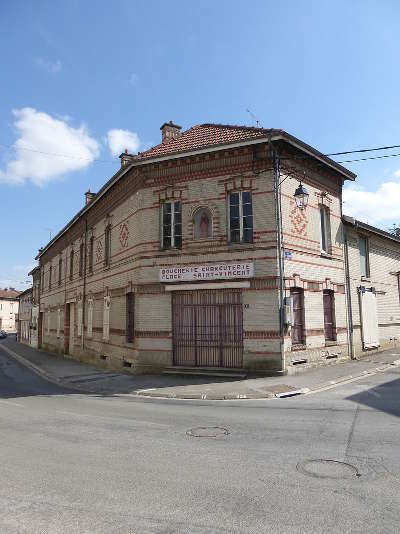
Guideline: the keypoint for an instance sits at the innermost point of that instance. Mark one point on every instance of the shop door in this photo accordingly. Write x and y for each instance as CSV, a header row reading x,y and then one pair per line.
x,y
208,328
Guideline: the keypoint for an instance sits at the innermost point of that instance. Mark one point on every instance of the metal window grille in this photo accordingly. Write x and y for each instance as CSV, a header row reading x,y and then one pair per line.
x,y
297,295
130,317
329,315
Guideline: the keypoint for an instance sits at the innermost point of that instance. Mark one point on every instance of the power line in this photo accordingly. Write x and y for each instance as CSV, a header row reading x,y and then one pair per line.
x,y
113,160
372,157
362,150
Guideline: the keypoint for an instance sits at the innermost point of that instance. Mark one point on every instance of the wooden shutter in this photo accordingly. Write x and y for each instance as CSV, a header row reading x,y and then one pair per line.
x,y
79,318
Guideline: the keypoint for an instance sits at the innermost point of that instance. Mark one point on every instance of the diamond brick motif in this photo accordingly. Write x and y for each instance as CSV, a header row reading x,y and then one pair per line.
x,y
123,235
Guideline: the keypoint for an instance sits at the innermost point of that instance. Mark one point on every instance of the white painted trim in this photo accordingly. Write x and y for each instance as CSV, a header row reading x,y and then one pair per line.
x,y
209,285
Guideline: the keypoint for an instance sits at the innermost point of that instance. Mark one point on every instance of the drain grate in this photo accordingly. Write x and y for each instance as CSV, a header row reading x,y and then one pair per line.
x,y
322,468
207,432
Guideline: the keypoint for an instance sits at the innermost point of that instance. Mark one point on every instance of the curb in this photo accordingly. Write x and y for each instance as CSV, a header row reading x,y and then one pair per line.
x,y
154,394
40,372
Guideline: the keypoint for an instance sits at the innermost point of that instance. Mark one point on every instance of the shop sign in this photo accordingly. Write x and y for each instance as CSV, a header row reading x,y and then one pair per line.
x,y
216,271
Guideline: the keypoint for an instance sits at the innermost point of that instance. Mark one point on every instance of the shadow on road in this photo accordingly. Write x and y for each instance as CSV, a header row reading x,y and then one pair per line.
x,y
384,397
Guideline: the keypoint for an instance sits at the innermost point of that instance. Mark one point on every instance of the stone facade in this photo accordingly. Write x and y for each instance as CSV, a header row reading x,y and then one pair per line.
x,y
25,317
113,248
8,309
382,277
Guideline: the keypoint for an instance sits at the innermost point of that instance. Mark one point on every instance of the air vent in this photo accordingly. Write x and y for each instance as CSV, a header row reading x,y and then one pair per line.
x,y
298,362
331,356
103,357
127,364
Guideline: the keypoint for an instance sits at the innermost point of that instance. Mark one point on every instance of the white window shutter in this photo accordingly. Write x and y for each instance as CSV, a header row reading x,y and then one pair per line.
x,y
90,318
80,319
58,321
369,319
106,318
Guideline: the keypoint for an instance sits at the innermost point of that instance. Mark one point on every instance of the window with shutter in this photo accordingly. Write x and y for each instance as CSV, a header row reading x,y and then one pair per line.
x,y
329,315
130,317
79,318
106,318
90,318
297,295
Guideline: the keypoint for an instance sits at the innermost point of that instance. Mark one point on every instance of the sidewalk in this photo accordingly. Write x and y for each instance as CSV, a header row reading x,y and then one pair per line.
x,y
89,379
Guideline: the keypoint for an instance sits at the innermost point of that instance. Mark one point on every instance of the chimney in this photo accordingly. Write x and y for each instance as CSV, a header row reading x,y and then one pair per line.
x,y
89,196
170,131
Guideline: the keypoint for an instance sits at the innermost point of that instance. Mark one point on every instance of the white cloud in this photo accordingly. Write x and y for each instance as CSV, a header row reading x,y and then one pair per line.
x,y
119,140
47,148
374,207
49,66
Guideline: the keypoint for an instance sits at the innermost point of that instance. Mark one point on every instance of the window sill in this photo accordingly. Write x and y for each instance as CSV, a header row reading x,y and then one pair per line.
x,y
326,255
299,346
365,279
241,246
331,343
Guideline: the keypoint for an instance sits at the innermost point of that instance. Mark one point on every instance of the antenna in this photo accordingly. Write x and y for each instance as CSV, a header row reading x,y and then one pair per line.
x,y
259,125
50,230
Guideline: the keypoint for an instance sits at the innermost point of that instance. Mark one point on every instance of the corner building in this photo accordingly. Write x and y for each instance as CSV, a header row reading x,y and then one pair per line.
x,y
175,261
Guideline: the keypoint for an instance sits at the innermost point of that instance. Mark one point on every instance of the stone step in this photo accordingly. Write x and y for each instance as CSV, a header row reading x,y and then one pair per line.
x,y
221,372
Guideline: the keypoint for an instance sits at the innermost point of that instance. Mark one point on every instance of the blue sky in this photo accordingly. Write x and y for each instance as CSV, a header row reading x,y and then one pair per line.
x,y
84,79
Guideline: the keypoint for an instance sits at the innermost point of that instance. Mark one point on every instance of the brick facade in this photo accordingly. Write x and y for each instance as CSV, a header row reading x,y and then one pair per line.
x,y
75,317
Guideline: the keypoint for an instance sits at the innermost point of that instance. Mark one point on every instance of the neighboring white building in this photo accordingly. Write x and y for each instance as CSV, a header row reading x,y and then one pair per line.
x,y
8,309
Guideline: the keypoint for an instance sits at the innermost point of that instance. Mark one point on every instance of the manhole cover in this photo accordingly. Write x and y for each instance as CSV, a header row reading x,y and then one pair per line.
x,y
328,469
207,432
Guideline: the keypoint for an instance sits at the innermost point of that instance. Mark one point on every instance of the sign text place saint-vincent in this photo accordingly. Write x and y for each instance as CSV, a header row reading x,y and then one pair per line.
x,y
216,271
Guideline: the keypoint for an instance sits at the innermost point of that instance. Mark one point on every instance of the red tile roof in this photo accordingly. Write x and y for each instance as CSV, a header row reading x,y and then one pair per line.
x,y
203,136
8,294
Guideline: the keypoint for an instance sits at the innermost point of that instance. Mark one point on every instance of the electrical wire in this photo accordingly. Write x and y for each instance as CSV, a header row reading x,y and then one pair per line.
x,y
113,160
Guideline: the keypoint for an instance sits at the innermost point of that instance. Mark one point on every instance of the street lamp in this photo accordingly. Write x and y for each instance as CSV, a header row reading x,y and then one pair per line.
x,y
301,196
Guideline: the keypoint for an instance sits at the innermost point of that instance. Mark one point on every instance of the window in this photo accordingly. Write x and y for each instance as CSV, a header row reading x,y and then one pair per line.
x,y
107,246
59,270
81,258
58,322
364,256
106,318
130,317
297,295
80,318
240,217
171,225
71,265
91,253
329,315
42,282
50,268
324,222
90,318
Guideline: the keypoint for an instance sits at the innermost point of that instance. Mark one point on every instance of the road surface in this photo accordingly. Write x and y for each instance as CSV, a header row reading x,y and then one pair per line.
x,y
74,463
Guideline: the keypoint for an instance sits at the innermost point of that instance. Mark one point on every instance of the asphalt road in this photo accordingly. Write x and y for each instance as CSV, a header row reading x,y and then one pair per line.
x,y
73,463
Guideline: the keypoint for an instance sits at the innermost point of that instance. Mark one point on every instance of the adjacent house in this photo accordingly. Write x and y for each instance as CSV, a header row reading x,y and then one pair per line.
x,y
8,309
25,316
374,286
221,247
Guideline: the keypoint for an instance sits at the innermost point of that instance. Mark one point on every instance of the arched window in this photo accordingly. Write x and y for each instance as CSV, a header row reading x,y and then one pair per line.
x,y
107,246
202,224
81,259
71,265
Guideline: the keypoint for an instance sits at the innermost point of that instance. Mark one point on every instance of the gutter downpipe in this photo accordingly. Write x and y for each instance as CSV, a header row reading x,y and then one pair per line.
x,y
348,294
84,289
278,213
